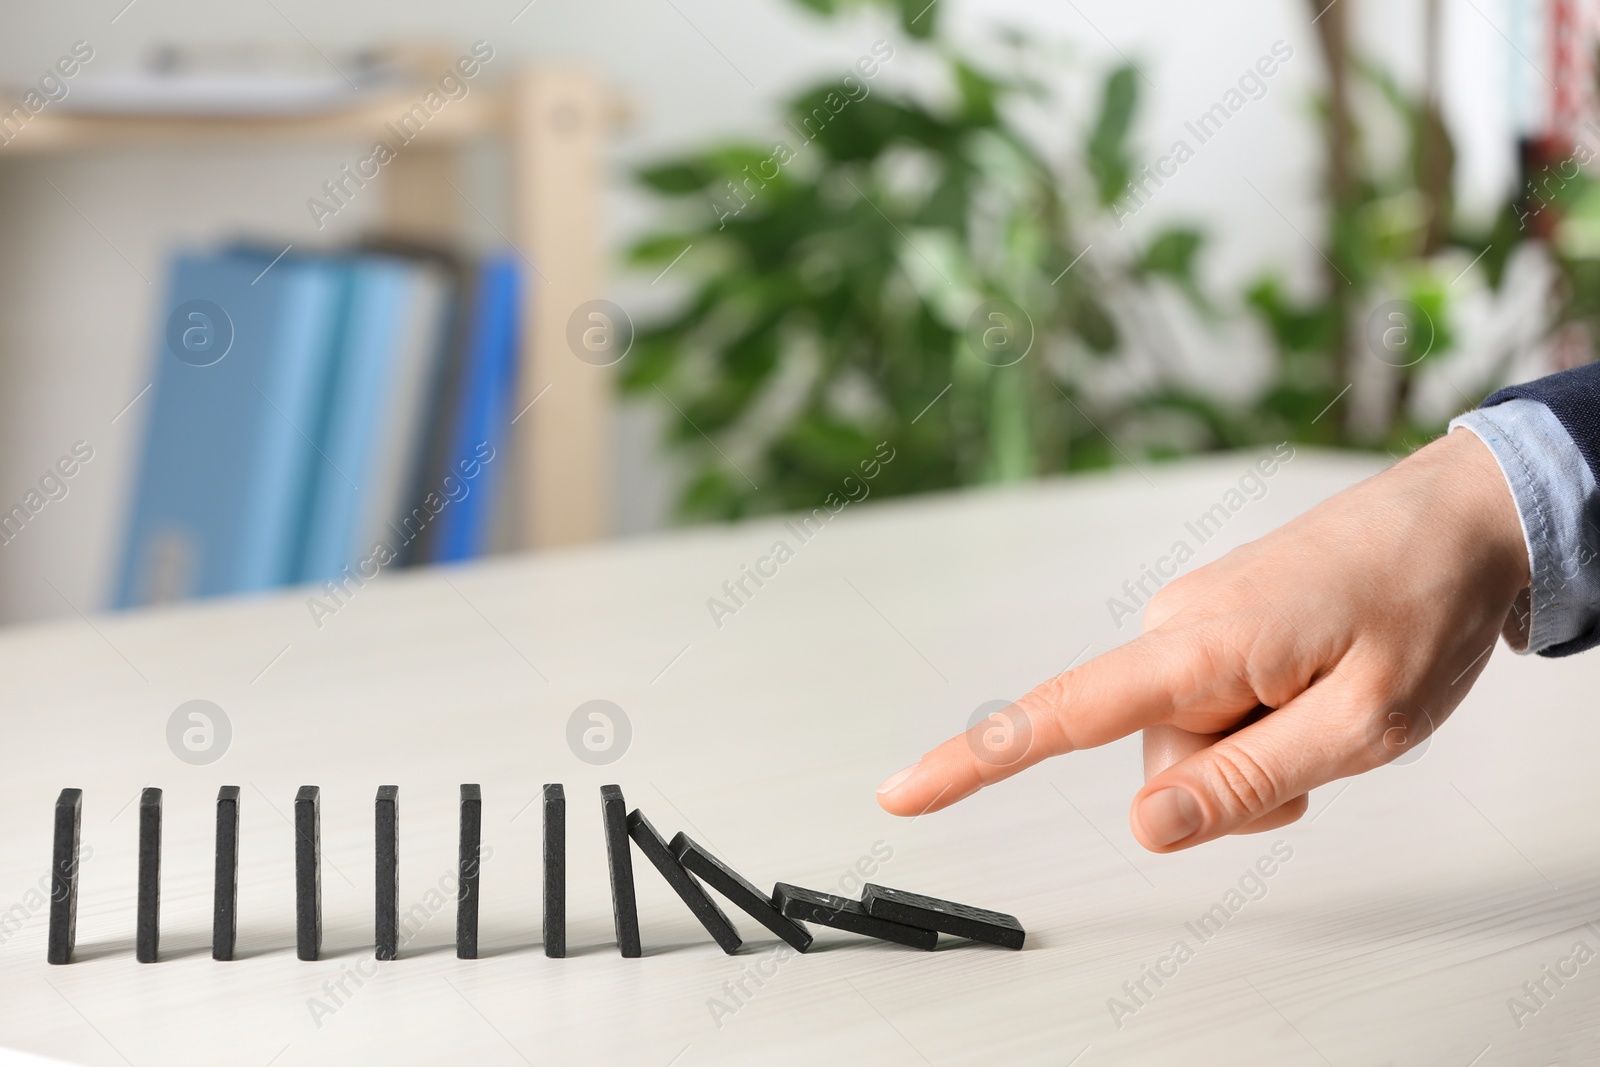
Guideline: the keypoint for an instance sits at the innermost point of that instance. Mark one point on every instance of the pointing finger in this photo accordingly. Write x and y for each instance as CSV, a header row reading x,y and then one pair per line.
x,y
1125,690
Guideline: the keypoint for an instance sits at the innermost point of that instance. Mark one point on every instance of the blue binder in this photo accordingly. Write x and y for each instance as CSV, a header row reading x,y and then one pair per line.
x,y
483,420
358,391
237,377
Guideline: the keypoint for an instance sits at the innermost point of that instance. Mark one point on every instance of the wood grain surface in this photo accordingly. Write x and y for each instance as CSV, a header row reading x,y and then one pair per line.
x,y
1398,923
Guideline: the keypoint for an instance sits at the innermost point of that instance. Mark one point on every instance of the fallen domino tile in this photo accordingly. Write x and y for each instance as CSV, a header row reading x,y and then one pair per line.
x,y
147,925
825,909
386,906
225,895
731,884
624,906
308,872
656,850
64,876
555,871
945,916
467,870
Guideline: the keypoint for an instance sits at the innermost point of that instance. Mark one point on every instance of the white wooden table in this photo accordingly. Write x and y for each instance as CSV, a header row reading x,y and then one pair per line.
x,y
1416,902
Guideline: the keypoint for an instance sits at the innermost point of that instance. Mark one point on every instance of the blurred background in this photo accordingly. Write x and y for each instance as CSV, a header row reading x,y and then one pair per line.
x,y
295,293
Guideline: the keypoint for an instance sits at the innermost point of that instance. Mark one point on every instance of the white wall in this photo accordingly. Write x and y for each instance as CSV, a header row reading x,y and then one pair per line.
x,y
76,294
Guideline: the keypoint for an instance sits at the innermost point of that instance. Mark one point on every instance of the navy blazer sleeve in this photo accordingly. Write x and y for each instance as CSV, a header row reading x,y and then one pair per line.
x,y
1573,396
1545,435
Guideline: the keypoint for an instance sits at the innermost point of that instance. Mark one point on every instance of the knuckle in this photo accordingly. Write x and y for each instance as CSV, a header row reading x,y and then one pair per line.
x,y
1050,693
1384,736
1242,783
1208,672
1045,708
1371,722
1390,733
1287,813
1167,602
1295,810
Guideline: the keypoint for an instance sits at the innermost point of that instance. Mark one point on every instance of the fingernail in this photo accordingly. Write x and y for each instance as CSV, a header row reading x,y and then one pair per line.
x,y
896,779
1167,816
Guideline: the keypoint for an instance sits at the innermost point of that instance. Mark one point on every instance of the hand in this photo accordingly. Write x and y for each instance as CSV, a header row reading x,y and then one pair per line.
x,y
1327,648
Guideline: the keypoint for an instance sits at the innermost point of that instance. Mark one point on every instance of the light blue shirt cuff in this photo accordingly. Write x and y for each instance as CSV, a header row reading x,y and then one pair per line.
x,y
1555,496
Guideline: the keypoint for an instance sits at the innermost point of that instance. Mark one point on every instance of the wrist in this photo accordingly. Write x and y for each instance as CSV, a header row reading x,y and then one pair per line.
x,y
1478,502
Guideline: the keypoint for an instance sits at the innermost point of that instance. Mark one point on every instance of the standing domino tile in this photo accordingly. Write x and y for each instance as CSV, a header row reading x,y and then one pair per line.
x,y
624,907
225,893
64,876
731,884
945,916
386,911
467,863
147,926
825,909
555,871
308,872
656,850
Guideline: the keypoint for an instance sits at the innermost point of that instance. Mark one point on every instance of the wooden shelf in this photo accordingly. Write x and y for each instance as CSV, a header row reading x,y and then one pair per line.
x,y
481,114
485,112
554,122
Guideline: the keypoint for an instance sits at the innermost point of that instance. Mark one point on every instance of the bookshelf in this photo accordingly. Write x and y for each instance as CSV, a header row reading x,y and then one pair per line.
x,y
554,122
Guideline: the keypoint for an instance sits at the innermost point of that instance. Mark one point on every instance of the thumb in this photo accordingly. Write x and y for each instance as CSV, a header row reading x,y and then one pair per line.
x,y
1228,786
1166,745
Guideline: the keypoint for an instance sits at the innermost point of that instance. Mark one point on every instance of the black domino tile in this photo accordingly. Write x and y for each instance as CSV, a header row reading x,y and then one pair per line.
x,y
225,884
731,884
945,916
555,871
468,864
308,872
826,909
624,906
386,903
147,926
64,875
658,852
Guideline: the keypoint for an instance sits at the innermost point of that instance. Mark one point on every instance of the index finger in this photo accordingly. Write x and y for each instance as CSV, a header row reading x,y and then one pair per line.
x,y
1111,696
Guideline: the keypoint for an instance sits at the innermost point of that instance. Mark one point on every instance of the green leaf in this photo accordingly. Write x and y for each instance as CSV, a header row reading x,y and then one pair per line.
x,y
677,178
1088,318
947,207
1295,328
1432,298
919,18
658,248
1492,251
648,364
1173,253
979,95
712,495
1107,150
858,130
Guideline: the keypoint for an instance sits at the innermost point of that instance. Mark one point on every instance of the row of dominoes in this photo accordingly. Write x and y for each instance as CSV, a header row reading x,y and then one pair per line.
x,y
887,914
